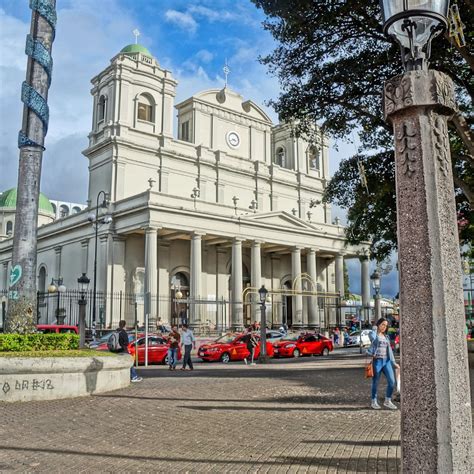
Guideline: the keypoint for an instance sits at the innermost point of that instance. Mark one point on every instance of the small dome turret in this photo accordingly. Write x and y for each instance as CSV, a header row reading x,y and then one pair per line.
x,y
136,48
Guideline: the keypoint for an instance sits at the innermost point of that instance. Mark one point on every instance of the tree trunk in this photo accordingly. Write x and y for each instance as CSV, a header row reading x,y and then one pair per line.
x,y
21,315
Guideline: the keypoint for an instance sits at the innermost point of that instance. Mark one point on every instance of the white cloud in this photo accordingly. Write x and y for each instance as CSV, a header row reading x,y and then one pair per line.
x,y
182,20
204,56
212,15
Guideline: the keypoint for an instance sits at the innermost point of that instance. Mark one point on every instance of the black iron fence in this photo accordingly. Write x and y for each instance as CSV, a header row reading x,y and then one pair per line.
x,y
211,315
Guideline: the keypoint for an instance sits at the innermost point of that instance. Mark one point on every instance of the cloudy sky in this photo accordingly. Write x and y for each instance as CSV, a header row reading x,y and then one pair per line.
x,y
192,38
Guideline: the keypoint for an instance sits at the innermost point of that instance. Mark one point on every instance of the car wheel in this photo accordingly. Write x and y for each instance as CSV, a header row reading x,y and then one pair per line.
x,y
225,358
296,353
325,352
165,360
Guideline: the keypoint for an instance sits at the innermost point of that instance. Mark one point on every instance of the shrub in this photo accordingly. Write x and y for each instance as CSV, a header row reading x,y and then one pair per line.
x,y
38,342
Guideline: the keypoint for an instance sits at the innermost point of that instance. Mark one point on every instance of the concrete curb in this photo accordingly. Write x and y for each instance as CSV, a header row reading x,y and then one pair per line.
x,y
52,378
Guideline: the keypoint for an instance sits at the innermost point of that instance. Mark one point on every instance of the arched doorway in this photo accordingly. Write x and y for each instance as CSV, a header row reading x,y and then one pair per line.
x,y
179,310
287,306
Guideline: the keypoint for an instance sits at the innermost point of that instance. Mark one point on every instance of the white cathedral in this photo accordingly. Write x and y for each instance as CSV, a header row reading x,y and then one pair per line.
x,y
200,220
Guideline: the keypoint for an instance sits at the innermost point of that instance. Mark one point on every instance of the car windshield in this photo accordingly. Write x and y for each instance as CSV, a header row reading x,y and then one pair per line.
x,y
226,339
290,337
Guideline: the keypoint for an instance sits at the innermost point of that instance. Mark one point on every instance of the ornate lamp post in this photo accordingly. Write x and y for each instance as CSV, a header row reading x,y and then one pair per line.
x,y
263,325
60,288
375,278
83,283
437,437
96,222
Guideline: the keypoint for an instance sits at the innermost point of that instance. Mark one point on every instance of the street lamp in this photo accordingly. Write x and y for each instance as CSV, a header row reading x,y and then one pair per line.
x,y
263,324
83,283
418,105
375,278
56,286
414,24
96,222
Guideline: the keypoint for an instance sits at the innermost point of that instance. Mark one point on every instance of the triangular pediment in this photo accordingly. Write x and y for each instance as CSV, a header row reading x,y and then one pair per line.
x,y
282,219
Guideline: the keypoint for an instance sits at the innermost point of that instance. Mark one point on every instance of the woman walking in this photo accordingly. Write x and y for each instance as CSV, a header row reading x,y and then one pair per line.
x,y
383,361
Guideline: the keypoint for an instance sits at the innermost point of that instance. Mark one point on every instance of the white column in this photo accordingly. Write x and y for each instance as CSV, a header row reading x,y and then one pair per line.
x,y
256,278
365,286
57,262
296,281
195,283
340,274
4,278
313,312
151,274
237,306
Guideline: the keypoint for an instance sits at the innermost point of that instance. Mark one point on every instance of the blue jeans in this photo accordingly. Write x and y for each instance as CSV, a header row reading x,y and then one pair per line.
x,y
385,366
133,372
172,357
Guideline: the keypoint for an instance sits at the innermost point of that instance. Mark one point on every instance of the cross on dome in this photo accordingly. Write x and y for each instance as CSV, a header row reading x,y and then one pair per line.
x,y
136,33
226,70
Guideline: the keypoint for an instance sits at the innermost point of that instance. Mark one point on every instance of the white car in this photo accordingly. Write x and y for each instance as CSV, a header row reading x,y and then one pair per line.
x,y
354,338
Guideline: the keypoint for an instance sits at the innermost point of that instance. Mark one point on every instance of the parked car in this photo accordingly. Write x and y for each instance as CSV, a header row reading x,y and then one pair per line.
x,y
354,338
100,341
157,349
294,345
57,329
274,336
230,347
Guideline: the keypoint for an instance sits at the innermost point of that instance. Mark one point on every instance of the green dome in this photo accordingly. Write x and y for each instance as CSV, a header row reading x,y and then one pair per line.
x,y
8,200
136,48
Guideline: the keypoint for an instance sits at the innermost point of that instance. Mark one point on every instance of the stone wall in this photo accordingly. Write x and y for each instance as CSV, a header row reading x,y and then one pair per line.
x,y
27,378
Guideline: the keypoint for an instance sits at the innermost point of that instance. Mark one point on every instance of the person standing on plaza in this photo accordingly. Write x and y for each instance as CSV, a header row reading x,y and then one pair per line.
x,y
189,342
174,339
123,343
383,361
251,343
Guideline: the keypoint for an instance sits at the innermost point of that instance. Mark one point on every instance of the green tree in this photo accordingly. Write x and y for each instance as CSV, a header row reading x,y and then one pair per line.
x,y
332,59
347,293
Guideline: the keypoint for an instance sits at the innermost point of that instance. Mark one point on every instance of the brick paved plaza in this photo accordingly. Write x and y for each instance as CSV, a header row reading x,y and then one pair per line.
x,y
307,415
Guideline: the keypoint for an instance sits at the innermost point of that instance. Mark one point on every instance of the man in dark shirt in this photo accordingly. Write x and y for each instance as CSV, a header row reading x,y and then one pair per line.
x,y
174,340
123,341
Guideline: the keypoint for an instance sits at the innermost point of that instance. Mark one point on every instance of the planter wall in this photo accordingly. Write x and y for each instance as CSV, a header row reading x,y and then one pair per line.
x,y
29,378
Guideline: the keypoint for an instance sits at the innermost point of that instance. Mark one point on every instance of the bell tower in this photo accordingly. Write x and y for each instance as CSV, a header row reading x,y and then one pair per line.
x,y
133,105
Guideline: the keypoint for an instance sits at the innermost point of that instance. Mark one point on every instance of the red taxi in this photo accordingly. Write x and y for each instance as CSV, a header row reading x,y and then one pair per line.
x,y
230,347
157,350
295,345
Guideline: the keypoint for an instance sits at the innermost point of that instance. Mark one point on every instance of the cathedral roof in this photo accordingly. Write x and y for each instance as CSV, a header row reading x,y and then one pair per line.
x,y
136,48
8,200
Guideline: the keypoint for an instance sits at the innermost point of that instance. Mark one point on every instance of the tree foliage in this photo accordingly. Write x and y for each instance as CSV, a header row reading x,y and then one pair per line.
x,y
332,59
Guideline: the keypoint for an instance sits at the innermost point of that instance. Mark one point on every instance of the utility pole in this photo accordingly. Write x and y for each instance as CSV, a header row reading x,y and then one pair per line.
x,y
21,315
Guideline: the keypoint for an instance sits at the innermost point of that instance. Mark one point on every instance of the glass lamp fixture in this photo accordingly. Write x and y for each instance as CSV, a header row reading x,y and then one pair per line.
x,y
375,277
414,24
83,283
263,294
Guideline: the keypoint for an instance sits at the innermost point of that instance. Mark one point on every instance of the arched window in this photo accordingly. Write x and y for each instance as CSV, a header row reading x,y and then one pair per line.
x,y
145,108
63,211
314,159
9,228
42,283
280,157
180,280
76,210
101,108
54,208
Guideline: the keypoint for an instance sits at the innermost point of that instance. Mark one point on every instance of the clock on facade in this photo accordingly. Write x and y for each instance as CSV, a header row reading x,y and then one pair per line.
x,y
233,139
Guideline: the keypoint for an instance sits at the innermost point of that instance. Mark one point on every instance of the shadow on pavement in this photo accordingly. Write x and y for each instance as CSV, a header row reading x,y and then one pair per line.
x,y
352,464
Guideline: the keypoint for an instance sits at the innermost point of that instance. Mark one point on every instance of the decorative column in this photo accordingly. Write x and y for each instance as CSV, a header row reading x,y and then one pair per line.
x,y
22,311
365,286
297,300
435,378
340,274
195,283
313,311
236,277
84,255
57,262
256,278
151,275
